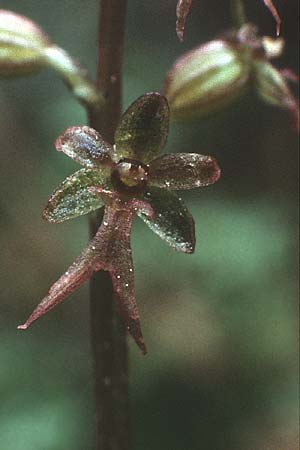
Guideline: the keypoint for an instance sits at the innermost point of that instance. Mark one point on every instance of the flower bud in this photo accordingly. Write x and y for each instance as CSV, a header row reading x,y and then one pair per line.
x,y
26,49
21,45
213,75
206,79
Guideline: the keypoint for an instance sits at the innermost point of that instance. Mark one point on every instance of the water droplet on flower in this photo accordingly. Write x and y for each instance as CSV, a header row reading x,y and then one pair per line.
x,y
126,284
105,223
118,276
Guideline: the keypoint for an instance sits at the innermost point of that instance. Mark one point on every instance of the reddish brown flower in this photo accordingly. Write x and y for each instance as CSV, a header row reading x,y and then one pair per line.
x,y
127,179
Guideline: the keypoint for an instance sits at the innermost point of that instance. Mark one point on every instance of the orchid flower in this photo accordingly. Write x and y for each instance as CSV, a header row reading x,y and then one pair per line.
x,y
128,179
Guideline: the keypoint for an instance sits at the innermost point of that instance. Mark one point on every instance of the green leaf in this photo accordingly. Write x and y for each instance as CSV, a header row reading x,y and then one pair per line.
x,y
73,198
172,221
143,129
85,145
183,171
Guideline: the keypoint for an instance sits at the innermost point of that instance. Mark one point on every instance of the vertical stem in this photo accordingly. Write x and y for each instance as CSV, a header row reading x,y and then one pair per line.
x,y
108,335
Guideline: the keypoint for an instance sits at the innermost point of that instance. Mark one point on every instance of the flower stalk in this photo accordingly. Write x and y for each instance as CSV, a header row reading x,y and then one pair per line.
x,y
108,334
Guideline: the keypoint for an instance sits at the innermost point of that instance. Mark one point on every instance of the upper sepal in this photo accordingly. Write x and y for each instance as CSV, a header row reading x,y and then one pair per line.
x,y
21,45
86,146
143,129
74,197
172,221
183,171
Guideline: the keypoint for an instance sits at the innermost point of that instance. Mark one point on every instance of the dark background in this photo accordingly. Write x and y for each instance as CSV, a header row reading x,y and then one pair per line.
x,y
221,325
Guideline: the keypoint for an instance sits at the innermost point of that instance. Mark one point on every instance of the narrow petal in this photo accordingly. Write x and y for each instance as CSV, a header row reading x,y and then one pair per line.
x,y
74,198
79,272
183,171
172,221
182,10
143,129
86,146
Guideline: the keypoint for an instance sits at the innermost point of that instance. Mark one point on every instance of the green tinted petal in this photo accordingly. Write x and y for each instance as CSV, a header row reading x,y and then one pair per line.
x,y
183,171
85,145
73,198
172,222
143,129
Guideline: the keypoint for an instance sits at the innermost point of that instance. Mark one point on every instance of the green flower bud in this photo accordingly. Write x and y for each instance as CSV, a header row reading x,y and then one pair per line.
x,y
213,75
21,45
26,49
206,79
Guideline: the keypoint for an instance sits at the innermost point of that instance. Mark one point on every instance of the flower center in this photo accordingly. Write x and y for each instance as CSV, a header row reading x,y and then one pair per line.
x,y
130,175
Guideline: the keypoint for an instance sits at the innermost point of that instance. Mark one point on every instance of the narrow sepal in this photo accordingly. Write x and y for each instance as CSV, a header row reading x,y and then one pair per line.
x,y
182,10
86,146
183,171
172,221
74,198
143,128
272,87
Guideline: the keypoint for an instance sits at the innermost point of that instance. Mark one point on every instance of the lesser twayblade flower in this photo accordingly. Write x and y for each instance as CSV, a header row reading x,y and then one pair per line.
x,y
127,179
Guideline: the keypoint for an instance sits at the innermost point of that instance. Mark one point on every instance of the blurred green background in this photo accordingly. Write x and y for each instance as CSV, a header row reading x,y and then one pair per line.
x,y
221,325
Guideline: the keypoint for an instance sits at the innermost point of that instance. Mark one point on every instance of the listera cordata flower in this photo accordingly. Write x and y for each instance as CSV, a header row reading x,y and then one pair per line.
x,y
128,179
